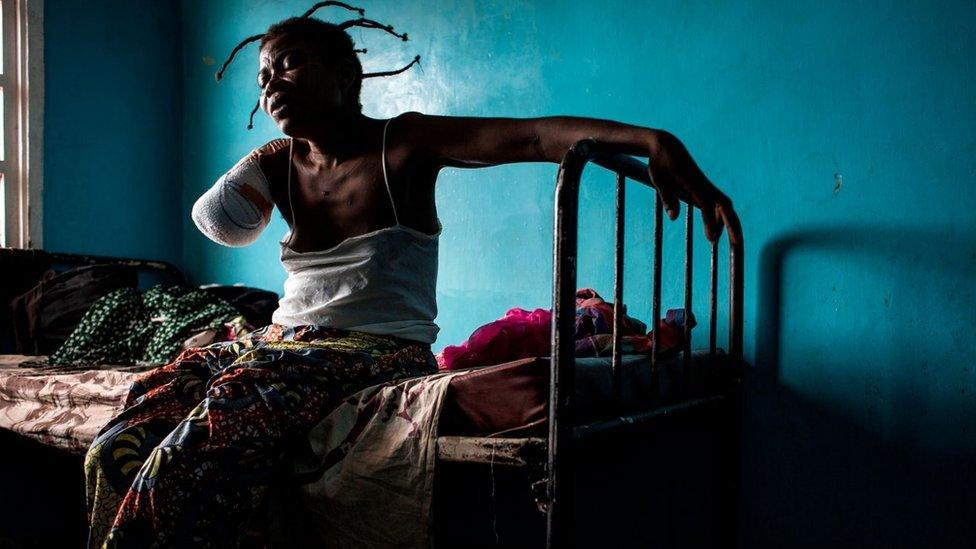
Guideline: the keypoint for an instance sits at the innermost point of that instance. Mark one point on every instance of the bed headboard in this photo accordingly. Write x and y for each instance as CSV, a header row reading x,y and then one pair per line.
x,y
21,270
561,389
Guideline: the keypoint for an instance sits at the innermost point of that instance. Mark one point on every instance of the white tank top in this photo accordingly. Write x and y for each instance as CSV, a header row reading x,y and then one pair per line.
x,y
383,282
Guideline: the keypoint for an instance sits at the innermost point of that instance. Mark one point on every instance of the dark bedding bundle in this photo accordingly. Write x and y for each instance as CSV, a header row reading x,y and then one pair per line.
x,y
43,317
126,326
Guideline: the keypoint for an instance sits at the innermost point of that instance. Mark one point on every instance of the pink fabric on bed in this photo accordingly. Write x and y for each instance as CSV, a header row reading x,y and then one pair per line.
x,y
524,334
519,334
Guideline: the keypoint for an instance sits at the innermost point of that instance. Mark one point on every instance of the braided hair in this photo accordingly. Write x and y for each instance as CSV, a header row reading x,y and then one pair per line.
x,y
334,43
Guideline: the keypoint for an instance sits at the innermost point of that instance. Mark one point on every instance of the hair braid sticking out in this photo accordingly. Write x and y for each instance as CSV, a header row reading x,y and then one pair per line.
x,y
333,41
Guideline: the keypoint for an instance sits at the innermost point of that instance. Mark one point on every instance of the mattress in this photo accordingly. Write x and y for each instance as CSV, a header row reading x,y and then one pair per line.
x,y
66,407
512,399
62,407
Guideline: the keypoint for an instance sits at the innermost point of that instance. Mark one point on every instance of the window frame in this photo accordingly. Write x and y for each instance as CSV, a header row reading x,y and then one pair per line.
x,y
22,79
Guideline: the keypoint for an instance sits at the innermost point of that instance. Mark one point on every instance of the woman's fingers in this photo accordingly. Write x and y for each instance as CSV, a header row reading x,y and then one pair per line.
x,y
710,219
731,220
664,183
711,213
675,174
716,208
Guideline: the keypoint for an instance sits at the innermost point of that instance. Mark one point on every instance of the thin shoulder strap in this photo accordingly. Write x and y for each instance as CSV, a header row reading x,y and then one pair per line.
x,y
386,179
291,207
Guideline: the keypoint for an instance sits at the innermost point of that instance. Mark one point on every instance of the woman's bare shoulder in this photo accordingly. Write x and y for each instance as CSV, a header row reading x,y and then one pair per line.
x,y
406,134
413,132
273,159
271,147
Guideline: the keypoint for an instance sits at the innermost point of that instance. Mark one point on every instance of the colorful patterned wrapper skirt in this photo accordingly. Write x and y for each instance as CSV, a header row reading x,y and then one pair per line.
x,y
190,459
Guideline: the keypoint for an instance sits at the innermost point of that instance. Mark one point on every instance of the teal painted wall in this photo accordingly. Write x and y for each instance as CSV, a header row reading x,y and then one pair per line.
x,y
843,133
112,162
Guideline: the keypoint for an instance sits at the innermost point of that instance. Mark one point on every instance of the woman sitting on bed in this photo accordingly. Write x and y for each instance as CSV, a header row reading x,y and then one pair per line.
x,y
190,459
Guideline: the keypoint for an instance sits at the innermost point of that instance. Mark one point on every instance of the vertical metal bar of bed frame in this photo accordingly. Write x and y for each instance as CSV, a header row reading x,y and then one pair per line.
x,y
656,291
689,261
736,257
713,302
562,366
616,374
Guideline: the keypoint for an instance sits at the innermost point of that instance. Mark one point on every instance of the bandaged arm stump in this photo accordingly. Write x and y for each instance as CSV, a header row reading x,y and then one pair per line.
x,y
238,207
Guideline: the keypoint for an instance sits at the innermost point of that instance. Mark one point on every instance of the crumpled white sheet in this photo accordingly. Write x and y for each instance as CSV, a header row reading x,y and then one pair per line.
x,y
378,449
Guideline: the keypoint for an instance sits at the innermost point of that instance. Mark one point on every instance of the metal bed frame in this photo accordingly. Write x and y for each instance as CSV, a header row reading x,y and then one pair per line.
x,y
557,451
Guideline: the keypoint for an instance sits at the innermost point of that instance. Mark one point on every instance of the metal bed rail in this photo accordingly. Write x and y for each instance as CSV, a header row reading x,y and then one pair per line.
x,y
562,425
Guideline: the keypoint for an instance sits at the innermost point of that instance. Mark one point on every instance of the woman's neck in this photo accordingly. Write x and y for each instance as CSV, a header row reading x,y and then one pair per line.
x,y
345,135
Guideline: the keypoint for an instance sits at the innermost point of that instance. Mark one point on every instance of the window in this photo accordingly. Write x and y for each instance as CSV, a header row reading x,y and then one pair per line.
x,y
21,103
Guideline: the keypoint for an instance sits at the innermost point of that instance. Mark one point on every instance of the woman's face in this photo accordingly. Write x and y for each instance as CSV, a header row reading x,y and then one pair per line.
x,y
298,91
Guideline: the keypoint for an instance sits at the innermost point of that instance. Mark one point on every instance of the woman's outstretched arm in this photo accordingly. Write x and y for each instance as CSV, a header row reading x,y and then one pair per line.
x,y
471,142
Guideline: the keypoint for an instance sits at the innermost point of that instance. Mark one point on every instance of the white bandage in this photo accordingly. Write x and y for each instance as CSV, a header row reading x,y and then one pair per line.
x,y
238,207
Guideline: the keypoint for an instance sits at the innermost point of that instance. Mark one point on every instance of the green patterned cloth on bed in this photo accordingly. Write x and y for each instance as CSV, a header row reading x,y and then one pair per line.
x,y
126,326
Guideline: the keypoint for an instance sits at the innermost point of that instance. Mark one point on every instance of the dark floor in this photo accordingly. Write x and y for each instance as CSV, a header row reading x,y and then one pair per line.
x,y
41,495
669,485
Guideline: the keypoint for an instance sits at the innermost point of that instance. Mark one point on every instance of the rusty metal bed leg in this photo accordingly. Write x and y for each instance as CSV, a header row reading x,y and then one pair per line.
x,y
616,374
561,456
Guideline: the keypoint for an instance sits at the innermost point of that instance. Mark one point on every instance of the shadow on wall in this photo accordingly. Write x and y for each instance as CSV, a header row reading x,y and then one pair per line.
x,y
860,409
